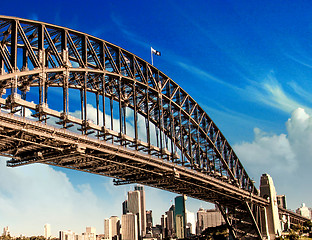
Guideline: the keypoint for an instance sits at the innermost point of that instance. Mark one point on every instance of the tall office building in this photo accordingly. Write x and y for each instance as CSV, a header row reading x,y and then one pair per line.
x,y
304,211
190,223
143,209
179,214
6,231
125,207
281,201
170,222
67,235
134,206
107,226
47,231
208,218
149,221
129,227
90,233
115,227
112,228
163,222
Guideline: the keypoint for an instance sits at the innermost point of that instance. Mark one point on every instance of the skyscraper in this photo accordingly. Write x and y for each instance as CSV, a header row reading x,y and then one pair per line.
x,y
149,221
90,233
179,214
134,206
47,231
208,218
281,201
190,223
170,221
112,228
107,226
304,211
129,227
143,209
67,235
125,207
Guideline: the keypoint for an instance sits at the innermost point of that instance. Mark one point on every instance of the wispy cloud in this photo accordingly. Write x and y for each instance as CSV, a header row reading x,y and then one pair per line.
x,y
300,91
204,74
297,60
271,93
129,34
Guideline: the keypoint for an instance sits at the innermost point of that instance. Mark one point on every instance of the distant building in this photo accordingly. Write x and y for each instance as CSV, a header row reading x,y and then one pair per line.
x,y
134,206
170,222
190,223
281,201
143,209
90,233
125,207
163,222
47,231
304,211
157,232
6,231
67,235
179,214
208,218
129,227
149,221
107,227
112,228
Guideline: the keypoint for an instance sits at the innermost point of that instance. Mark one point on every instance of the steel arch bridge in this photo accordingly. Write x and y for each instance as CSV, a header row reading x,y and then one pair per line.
x,y
76,101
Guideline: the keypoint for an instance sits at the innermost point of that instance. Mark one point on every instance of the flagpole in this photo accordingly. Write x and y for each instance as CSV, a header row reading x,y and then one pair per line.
x,y
152,57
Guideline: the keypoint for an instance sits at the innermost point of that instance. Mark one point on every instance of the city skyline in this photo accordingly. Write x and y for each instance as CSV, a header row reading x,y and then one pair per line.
x,y
247,64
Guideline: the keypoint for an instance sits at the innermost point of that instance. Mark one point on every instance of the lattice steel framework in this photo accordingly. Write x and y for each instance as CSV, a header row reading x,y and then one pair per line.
x,y
183,150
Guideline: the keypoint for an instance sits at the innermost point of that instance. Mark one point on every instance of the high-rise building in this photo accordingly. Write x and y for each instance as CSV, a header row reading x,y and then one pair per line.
x,y
6,231
143,209
47,231
170,222
180,220
208,218
163,222
115,227
129,227
304,211
281,201
107,226
134,206
149,221
112,228
90,233
190,223
125,207
67,235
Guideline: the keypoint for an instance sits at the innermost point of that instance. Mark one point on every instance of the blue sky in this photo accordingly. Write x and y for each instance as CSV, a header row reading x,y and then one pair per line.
x,y
247,63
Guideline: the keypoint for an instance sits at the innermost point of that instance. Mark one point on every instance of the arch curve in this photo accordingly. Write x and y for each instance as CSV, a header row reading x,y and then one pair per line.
x,y
40,56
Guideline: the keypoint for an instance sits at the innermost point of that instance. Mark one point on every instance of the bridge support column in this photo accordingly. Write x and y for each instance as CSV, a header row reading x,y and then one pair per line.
x,y
270,220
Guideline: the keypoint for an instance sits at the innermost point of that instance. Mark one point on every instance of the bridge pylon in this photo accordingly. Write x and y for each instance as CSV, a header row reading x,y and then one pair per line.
x,y
271,226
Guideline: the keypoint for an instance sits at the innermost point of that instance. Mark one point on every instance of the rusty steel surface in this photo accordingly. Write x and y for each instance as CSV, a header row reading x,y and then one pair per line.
x,y
117,116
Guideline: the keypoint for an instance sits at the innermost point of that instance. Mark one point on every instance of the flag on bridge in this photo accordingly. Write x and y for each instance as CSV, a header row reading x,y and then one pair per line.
x,y
157,53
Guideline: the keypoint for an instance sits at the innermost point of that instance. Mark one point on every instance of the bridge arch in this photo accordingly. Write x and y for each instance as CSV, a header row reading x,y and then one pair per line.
x,y
38,58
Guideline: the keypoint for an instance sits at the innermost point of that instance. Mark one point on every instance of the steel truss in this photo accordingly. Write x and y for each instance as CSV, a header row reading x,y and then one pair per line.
x,y
183,151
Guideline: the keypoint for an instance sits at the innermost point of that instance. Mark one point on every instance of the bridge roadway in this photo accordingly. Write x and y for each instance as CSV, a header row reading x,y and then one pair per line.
x,y
132,122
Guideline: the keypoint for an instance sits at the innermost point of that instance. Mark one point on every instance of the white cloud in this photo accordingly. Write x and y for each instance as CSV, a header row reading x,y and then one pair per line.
x,y
286,157
31,196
